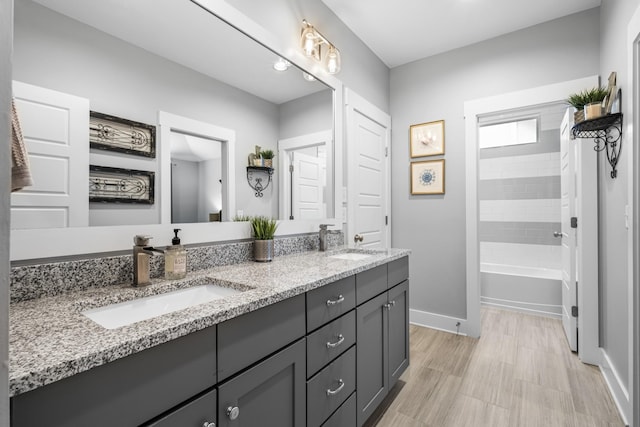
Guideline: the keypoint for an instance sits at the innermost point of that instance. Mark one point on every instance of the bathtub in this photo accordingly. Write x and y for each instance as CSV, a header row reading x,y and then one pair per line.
x,y
529,289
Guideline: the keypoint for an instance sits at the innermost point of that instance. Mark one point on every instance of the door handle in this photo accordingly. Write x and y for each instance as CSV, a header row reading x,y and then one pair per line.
x,y
357,238
557,234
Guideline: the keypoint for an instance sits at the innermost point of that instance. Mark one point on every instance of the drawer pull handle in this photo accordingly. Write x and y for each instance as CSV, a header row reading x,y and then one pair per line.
x,y
233,412
331,302
208,424
337,390
337,343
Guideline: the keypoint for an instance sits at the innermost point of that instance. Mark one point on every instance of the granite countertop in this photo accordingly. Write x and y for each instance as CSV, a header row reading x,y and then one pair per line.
x,y
49,338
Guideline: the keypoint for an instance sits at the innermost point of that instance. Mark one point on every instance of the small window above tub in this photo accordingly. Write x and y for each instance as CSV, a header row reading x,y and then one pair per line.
x,y
515,132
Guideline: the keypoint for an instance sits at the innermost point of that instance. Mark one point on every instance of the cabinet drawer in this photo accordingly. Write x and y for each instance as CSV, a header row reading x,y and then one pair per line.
x,y
246,339
127,391
345,416
196,413
398,271
370,283
330,387
329,302
330,341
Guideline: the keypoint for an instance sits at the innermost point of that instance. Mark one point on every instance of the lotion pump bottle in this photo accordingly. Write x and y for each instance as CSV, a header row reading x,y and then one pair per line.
x,y
175,259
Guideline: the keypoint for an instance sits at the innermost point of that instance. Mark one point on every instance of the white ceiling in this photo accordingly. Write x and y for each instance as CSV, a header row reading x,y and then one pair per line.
x,y
403,31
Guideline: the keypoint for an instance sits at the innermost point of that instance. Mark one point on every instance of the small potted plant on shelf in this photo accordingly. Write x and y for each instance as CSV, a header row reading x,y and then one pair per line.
x,y
263,230
588,103
267,156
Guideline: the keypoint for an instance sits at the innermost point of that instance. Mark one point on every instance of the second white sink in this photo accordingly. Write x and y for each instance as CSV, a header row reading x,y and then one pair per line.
x,y
351,256
129,312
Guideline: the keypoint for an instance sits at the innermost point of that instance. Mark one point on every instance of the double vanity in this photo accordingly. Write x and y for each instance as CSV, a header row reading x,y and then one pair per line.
x,y
310,339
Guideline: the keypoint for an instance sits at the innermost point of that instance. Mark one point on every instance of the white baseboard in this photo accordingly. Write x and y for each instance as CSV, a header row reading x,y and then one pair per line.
x,y
438,321
547,310
616,387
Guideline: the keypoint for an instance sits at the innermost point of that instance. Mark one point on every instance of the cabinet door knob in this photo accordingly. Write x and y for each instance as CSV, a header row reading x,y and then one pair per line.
x,y
337,343
336,390
387,306
208,424
233,412
338,300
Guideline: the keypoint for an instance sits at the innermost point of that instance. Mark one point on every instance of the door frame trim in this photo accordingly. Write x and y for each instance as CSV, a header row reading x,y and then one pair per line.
x,y
356,103
472,109
633,200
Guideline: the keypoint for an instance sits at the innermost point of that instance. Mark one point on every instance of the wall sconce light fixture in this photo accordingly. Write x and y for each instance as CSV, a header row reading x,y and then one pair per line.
x,y
311,42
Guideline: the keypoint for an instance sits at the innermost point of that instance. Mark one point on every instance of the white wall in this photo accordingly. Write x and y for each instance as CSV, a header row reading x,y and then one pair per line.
x,y
614,316
435,88
6,39
312,113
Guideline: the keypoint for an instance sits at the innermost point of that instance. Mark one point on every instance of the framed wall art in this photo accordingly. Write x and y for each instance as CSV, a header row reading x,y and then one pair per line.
x,y
125,136
427,177
426,139
116,185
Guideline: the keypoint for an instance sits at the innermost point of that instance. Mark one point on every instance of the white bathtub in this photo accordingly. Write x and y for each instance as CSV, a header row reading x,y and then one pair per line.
x,y
528,289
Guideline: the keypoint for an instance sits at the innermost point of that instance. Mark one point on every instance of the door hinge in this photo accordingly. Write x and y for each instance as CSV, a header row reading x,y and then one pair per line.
x,y
290,168
386,220
574,222
574,310
386,151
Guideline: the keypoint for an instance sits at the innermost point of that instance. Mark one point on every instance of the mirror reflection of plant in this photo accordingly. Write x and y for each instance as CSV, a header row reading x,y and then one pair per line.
x,y
587,96
242,218
267,154
263,228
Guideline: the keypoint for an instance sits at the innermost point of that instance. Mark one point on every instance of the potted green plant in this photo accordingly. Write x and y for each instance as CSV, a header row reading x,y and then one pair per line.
x,y
263,230
267,156
588,103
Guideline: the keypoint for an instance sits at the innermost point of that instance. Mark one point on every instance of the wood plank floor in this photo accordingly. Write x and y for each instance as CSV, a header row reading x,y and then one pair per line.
x,y
520,373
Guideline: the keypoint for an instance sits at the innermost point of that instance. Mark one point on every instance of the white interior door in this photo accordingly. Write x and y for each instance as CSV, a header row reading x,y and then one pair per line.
x,y
368,135
308,186
567,233
55,127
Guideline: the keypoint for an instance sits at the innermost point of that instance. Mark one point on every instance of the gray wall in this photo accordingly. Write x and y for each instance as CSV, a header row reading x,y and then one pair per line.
x,y
56,52
614,319
6,39
362,71
436,88
313,113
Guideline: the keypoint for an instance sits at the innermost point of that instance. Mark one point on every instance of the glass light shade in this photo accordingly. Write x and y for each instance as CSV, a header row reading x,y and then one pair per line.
x,y
308,41
333,60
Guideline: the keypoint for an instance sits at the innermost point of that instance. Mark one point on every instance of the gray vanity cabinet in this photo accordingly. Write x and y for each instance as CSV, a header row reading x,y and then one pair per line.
x,y
126,392
199,412
271,393
382,330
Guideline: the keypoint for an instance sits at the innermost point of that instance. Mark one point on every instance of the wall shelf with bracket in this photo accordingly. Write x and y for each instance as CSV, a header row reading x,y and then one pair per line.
x,y
606,132
256,176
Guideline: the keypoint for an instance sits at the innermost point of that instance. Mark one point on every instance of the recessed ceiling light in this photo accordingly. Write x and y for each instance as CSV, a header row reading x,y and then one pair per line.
x,y
308,77
281,65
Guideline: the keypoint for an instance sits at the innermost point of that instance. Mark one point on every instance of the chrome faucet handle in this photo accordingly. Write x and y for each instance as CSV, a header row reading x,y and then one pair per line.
x,y
141,239
324,226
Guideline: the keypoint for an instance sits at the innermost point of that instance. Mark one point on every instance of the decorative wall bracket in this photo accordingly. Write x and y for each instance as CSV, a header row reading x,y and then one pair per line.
x,y
255,177
606,132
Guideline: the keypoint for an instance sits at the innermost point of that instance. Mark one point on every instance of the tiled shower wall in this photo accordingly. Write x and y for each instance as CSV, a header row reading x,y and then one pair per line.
x,y
519,196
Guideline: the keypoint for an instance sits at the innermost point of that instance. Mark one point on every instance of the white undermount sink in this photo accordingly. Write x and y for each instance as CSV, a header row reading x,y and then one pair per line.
x,y
126,313
351,256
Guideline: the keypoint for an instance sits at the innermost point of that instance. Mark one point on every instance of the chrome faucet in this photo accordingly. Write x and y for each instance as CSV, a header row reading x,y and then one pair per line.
x,y
141,257
323,237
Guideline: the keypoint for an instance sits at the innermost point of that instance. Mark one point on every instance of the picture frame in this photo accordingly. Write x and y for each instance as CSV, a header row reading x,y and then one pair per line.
x,y
427,177
426,139
116,134
617,100
117,185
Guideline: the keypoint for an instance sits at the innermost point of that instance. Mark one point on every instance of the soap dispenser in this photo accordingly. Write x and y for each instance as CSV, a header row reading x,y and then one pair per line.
x,y
175,259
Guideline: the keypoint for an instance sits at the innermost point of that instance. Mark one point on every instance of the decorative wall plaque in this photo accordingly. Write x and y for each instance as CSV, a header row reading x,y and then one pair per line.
x,y
121,135
117,185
